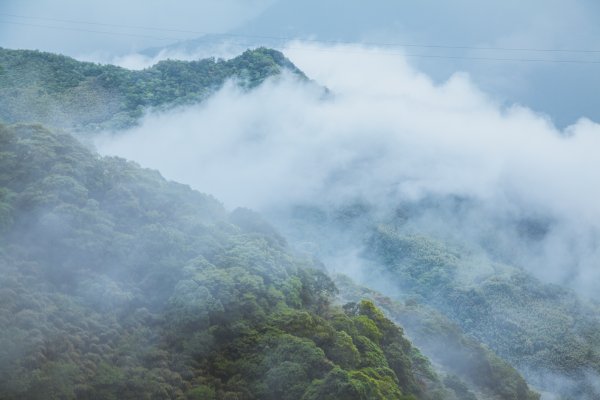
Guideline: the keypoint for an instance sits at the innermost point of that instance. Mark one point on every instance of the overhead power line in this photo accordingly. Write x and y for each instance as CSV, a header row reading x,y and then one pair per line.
x,y
71,21
284,39
472,58
287,38
63,28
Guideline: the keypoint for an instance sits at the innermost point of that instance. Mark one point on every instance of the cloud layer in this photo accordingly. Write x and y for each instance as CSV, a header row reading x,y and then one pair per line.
x,y
388,134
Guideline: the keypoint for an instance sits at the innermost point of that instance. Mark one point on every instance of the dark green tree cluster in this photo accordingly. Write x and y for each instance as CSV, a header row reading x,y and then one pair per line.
x,y
465,359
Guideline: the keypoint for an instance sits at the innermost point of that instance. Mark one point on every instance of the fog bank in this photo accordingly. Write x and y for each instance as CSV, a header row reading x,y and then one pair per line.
x,y
388,134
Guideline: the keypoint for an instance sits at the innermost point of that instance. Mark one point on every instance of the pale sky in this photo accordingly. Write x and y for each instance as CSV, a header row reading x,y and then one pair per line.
x,y
77,27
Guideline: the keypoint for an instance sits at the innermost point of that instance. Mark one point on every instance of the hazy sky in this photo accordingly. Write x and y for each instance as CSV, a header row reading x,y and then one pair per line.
x,y
78,27
565,91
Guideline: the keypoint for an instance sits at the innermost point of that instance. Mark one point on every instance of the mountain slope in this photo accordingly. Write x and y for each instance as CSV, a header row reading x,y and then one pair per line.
x,y
542,329
118,284
545,331
62,92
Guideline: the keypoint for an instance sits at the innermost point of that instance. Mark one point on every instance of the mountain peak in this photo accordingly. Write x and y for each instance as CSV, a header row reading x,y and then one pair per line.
x,y
62,92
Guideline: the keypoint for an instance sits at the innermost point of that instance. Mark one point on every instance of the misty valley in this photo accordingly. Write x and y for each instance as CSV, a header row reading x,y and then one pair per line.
x,y
337,227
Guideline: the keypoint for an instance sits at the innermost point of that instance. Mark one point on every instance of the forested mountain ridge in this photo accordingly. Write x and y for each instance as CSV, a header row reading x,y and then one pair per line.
x,y
118,284
58,91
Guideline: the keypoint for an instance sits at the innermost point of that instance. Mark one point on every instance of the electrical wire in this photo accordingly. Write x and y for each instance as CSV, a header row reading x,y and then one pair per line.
x,y
284,39
472,58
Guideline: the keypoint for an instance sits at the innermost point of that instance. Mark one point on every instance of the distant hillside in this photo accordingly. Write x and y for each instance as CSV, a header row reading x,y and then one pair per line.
x,y
62,92
116,284
542,329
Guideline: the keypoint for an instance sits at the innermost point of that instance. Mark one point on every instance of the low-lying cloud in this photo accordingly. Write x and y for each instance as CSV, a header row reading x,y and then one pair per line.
x,y
385,134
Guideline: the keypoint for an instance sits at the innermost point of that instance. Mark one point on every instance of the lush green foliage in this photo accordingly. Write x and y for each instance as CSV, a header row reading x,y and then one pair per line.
x,y
117,284
59,91
464,358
